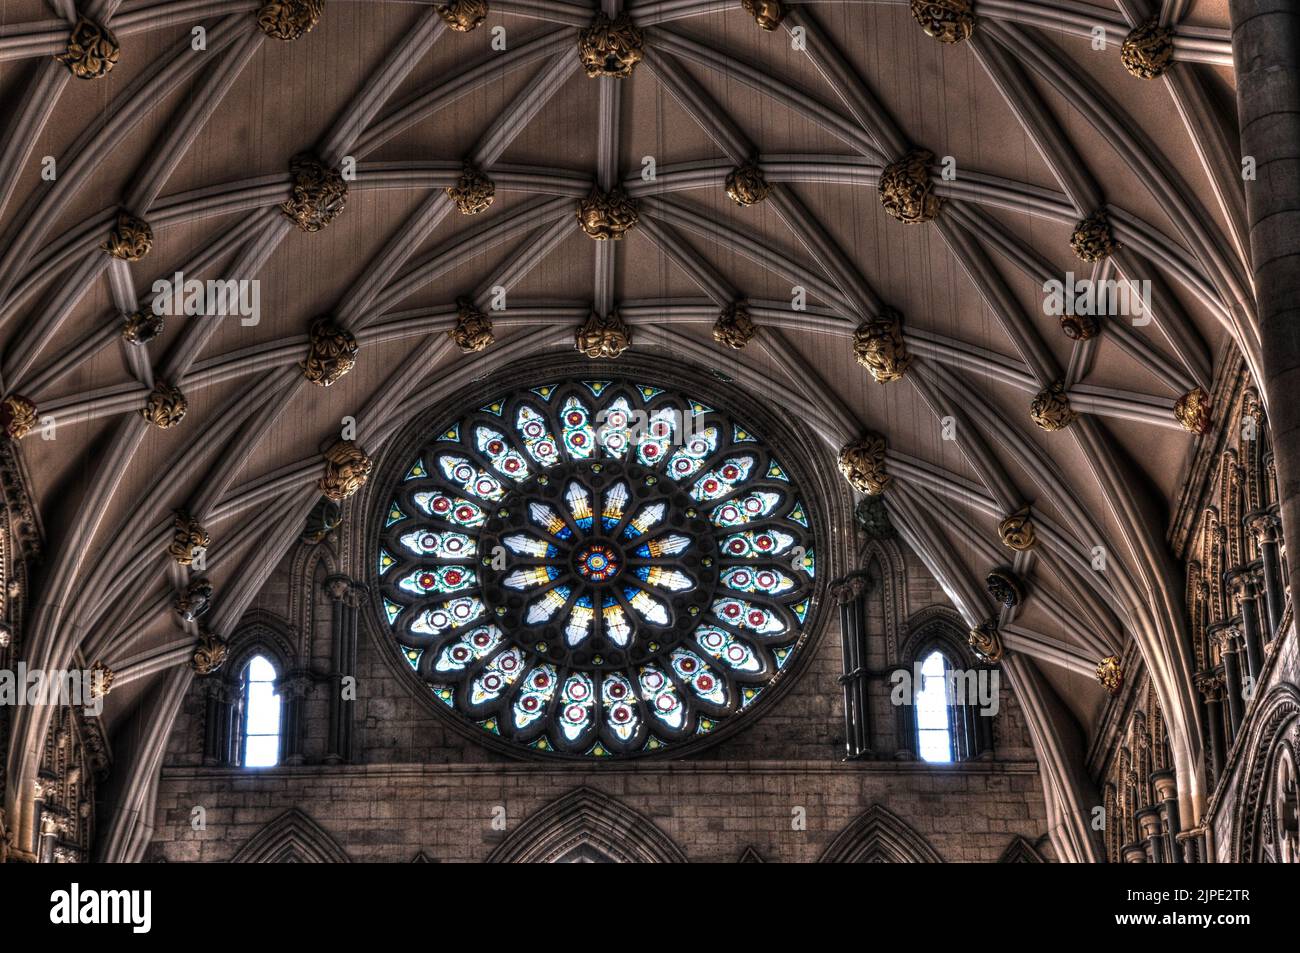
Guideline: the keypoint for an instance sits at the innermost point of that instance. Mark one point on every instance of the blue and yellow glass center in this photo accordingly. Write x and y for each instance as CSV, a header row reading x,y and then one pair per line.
x,y
597,562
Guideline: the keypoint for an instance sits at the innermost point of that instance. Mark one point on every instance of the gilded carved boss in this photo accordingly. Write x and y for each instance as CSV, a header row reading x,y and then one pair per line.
x,y
463,15
879,347
1017,531
289,19
1005,587
317,195
1192,410
473,191
906,191
1148,51
332,354
611,47
188,537
863,465
768,14
1093,240
18,414
165,406
141,327
131,238
1051,409
209,654
607,336
347,468
948,21
92,50
746,184
734,327
1110,674
607,215
986,642
473,330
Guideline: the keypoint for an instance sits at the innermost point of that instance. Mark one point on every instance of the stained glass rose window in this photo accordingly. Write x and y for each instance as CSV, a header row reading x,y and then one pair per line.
x,y
596,568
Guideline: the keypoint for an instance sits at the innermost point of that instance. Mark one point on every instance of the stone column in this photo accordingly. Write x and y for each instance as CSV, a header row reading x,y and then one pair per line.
x,y
346,598
1265,528
216,721
1149,823
293,689
848,593
1211,687
1166,787
1266,57
1232,681
1246,591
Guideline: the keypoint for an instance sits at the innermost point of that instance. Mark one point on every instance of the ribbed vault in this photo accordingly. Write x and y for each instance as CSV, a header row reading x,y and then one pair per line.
x,y
1040,128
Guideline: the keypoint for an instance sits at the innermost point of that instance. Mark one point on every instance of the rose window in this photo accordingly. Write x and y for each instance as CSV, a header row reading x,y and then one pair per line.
x,y
596,568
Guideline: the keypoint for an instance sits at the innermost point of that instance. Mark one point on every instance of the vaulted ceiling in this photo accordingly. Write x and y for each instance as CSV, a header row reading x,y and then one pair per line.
x,y
1043,128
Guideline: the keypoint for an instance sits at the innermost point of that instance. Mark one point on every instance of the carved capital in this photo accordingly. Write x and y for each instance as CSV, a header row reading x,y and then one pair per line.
x,y
18,415
347,468
1211,685
209,654
1017,531
188,537
879,347
607,215
848,590
473,330
91,51
463,15
610,47
986,641
1148,50
768,14
906,191
1192,411
141,327
165,406
863,464
606,336
1005,587
130,239
1264,526
333,352
1051,410
317,195
289,19
473,191
1092,239
746,184
734,327
1110,674
948,21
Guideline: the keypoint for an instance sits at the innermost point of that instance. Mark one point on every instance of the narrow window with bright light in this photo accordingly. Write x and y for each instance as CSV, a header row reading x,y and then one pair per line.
x,y
933,727
260,723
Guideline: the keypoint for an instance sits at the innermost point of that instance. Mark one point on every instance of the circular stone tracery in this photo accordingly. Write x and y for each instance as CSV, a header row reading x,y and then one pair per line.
x,y
597,568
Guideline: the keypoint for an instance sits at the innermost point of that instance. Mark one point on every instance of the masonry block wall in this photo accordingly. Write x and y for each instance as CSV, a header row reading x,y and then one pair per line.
x,y
416,785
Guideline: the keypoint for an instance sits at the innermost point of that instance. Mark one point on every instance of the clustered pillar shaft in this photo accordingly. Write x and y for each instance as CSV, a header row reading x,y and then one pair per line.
x,y
346,597
850,594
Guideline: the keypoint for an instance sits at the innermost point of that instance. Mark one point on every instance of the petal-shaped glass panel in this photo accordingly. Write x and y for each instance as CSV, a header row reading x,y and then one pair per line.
x,y
540,610
746,615
438,579
690,668
617,628
674,580
674,544
498,675
470,478
647,517
760,579
523,544
661,697
687,460
578,498
611,513
531,577
745,509
721,481
505,459
580,621
470,647
616,427
446,545
538,440
647,606
619,704
752,544
446,616
453,509
726,648
534,695
660,431
543,515
579,435
577,706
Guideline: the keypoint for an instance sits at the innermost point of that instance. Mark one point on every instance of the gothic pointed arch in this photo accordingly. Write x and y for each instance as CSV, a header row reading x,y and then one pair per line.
x,y
880,837
583,825
1021,851
1262,820
292,838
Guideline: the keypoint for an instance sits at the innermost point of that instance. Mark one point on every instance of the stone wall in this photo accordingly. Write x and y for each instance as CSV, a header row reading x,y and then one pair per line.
x,y
418,785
